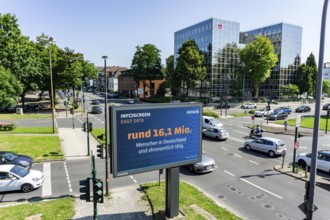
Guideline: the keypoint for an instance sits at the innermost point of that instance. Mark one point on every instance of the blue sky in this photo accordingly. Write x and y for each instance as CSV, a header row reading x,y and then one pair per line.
x,y
115,27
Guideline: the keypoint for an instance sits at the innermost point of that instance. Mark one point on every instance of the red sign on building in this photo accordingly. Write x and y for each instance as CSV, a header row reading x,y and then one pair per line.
x,y
219,26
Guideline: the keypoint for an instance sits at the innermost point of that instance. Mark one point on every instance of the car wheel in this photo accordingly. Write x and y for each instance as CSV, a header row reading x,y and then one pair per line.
x,y
27,187
271,153
217,138
302,163
203,134
248,147
191,168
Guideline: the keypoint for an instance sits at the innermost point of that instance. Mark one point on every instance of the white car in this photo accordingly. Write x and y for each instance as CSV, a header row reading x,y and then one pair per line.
x,y
263,112
322,162
211,122
13,177
216,133
269,145
249,106
130,101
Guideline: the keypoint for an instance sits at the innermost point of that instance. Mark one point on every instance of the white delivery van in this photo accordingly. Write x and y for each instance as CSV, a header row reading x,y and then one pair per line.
x,y
209,121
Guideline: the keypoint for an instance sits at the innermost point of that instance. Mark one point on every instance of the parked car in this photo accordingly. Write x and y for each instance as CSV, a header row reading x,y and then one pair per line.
x,y
269,145
7,157
130,101
216,133
286,109
96,110
13,177
263,112
95,102
277,115
206,165
210,122
326,106
223,105
322,162
303,108
249,106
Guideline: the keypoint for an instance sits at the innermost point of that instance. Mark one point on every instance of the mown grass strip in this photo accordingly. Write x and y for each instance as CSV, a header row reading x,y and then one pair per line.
x,y
24,116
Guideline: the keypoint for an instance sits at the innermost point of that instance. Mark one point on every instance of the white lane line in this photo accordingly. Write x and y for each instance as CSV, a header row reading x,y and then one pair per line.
x,y
254,162
134,180
47,185
226,123
241,132
238,155
67,176
225,149
79,120
252,184
229,173
235,139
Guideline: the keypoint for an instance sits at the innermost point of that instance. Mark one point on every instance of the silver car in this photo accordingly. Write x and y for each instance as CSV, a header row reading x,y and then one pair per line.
x,y
206,165
322,162
271,146
216,133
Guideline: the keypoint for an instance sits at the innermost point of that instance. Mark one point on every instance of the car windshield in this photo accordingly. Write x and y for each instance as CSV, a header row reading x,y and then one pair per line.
x,y
214,121
10,156
19,171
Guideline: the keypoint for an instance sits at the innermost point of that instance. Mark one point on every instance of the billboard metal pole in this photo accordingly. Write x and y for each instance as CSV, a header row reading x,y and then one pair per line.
x,y
310,202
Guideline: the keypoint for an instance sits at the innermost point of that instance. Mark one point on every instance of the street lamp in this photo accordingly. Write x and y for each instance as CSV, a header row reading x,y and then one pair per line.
x,y
50,41
106,127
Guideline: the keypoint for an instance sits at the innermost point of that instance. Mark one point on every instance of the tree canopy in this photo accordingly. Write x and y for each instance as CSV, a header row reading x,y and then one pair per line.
x,y
259,58
10,87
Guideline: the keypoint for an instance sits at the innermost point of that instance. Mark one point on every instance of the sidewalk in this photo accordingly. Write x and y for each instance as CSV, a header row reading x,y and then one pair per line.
x,y
123,203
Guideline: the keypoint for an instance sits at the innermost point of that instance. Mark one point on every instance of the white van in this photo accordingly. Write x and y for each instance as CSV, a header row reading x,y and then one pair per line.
x,y
209,121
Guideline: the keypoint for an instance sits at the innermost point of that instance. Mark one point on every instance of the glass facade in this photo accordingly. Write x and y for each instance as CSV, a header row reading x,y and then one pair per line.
x,y
220,40
287,40
213,37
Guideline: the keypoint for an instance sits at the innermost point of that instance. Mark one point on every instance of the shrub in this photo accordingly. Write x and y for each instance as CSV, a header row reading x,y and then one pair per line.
x,y
252,111
210,113
7,126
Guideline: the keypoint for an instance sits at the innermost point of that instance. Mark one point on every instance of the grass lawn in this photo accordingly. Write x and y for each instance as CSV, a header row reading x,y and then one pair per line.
x,y
241,114
98,131
188,196
59,209
307,122
30,130
40,148
24,116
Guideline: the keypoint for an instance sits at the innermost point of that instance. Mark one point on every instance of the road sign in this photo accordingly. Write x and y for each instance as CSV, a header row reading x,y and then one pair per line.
x,y
296,145
298,120
252,117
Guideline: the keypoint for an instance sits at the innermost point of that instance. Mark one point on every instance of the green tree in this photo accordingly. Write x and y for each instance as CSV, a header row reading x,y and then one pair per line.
x,y
312,74
190,64
259,58
10,87
172,79
291,90
326,86
146,65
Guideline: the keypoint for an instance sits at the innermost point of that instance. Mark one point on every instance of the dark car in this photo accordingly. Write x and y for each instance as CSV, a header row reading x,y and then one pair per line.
x,y
223,105
303,108
326,106
96,110
12,158
95,102
277,115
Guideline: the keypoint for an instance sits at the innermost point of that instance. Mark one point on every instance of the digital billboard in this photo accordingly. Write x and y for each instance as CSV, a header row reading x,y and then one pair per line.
x,y
152,137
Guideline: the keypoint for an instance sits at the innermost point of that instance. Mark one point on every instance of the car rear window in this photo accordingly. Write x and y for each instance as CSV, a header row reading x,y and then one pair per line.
x,y
280,143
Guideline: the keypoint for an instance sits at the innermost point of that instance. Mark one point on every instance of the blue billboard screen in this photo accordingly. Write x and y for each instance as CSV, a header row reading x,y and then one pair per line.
x,y
151,137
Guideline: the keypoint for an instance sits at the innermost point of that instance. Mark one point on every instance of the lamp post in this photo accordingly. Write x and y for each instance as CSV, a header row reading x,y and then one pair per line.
x,y
50,41
106,128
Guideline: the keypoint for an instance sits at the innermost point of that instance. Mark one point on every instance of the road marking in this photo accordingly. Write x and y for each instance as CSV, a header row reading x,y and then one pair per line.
x,y
67,177
235,139
134,180
241,132
47,185
252,184
238,155
224,149
226,123
254,162
229,173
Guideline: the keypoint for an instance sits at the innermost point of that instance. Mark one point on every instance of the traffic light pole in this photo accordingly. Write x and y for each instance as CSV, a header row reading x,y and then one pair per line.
x,y
87,128
94,181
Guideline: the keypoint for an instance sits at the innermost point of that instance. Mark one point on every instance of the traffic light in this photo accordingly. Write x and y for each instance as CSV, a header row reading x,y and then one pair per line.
x,y
85,189
98,191
100,151
84,126
90,126
71,111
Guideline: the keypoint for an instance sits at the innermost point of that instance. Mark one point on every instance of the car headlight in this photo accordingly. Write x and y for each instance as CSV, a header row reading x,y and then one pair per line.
x,y
35,179
198,165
